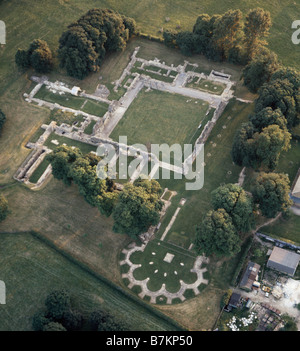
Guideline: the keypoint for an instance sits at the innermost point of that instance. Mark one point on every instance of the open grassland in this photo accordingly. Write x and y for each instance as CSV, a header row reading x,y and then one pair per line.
x,y
31,270
157,117
58,211
219,169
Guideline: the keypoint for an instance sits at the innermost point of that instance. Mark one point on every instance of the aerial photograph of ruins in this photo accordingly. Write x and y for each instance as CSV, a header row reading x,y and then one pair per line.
x,y
149,168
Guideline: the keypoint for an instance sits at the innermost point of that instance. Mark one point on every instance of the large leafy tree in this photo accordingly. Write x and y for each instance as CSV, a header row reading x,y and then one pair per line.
x,y
217,235
256,29
38,56
260,70
83,46
227,31
240,151
282,94
267,146
237,203
138,208
267,117
57,303
271,192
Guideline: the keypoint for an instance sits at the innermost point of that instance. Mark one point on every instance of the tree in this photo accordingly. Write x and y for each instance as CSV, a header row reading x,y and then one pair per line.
x,y
280,94
22,59
267,146
217,235
240,152
260,70
203,30
170,38
271,192
3,208
227,31
61,159
237,203
39,321
2,119
267,117
57,304
54,326
82,47
186,42
72,320
38,56
138,208
256,28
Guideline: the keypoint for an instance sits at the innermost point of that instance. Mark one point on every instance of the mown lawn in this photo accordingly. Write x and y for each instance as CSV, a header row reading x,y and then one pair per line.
x,y
157,117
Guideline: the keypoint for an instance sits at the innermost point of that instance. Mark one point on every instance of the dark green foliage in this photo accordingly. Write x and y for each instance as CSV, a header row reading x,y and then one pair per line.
x,y
40,320
256,28
69,165
72,320
38,56
217,235
186,42
267,117
237,203
2,119
271,192
240,149
101,320
57,304
22,58
280,94
83,46
138,208
170,38
54,326
260,70
3,208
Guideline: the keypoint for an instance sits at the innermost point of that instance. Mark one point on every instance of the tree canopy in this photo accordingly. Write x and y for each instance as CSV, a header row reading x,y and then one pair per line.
x,y
271,192
82,47
2,119
137,208
217,235
237,203
38,56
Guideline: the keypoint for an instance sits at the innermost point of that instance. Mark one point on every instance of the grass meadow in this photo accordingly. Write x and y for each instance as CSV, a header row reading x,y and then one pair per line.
x,y
60,213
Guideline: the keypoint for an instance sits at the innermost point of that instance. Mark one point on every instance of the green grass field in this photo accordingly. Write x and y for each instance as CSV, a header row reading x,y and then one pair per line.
x,y
60,213
31,270
157,117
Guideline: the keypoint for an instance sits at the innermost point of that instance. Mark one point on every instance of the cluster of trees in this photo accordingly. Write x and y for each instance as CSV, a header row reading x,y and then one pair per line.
x,y
59,315
133,209
259,143
226,37
220,232
38,56
82,47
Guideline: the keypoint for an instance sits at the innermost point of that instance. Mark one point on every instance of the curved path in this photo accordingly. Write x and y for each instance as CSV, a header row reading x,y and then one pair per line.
x,y
162,291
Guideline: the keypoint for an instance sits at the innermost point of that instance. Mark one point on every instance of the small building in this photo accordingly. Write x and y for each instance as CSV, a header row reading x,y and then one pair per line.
x,y
284,261
75,91
234,300
250,277
295,190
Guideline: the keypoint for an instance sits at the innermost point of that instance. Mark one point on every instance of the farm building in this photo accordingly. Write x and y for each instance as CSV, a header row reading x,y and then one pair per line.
x,y
250,276
284,261
295,191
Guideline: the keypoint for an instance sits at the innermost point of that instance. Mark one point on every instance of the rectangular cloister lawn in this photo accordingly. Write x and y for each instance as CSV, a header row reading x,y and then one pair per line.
x,y
156,117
